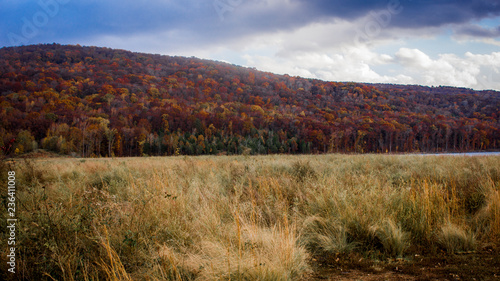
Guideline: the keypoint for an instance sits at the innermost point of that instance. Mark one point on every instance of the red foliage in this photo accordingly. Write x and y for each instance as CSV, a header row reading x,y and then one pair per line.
x,y
106,101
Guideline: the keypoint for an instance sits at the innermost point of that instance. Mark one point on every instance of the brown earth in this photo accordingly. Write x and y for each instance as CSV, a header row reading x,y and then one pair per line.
x,y
480,265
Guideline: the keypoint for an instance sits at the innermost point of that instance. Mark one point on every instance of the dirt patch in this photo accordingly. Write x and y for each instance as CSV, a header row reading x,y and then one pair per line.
x,y
481,265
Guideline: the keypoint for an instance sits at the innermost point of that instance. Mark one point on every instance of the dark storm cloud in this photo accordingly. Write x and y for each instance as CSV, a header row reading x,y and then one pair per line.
x,y
415,13
479,31
33,21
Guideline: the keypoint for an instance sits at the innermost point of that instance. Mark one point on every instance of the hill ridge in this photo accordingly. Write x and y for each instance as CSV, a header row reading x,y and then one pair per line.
x,y
97,101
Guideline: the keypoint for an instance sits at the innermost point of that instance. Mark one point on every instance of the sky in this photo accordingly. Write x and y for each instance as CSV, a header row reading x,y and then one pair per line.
x,y
426,42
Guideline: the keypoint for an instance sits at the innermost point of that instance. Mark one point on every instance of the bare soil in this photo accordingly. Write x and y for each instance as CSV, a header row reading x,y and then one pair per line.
x,y
481,265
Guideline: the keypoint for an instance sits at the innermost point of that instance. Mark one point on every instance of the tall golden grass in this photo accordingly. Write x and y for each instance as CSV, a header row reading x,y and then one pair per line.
x,y
243,218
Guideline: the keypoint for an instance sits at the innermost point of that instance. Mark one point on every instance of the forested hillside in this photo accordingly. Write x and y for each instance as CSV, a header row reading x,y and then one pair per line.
x,y
91,101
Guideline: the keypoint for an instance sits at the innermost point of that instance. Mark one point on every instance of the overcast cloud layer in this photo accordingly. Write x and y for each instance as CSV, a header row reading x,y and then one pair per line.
x,y
425,42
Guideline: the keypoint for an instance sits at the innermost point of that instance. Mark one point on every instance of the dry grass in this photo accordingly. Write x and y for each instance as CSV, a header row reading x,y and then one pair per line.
x,y
244,218
456,240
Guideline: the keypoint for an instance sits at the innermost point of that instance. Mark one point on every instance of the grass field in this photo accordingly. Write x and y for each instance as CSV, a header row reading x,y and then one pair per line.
x,y
244,217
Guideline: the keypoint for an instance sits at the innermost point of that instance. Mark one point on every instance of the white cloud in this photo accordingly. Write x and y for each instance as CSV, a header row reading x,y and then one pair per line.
x,y
353,64
414,58
472,70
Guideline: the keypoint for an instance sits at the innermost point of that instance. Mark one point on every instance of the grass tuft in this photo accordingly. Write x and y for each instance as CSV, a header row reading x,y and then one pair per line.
x,y
328,236
456,240
393,239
